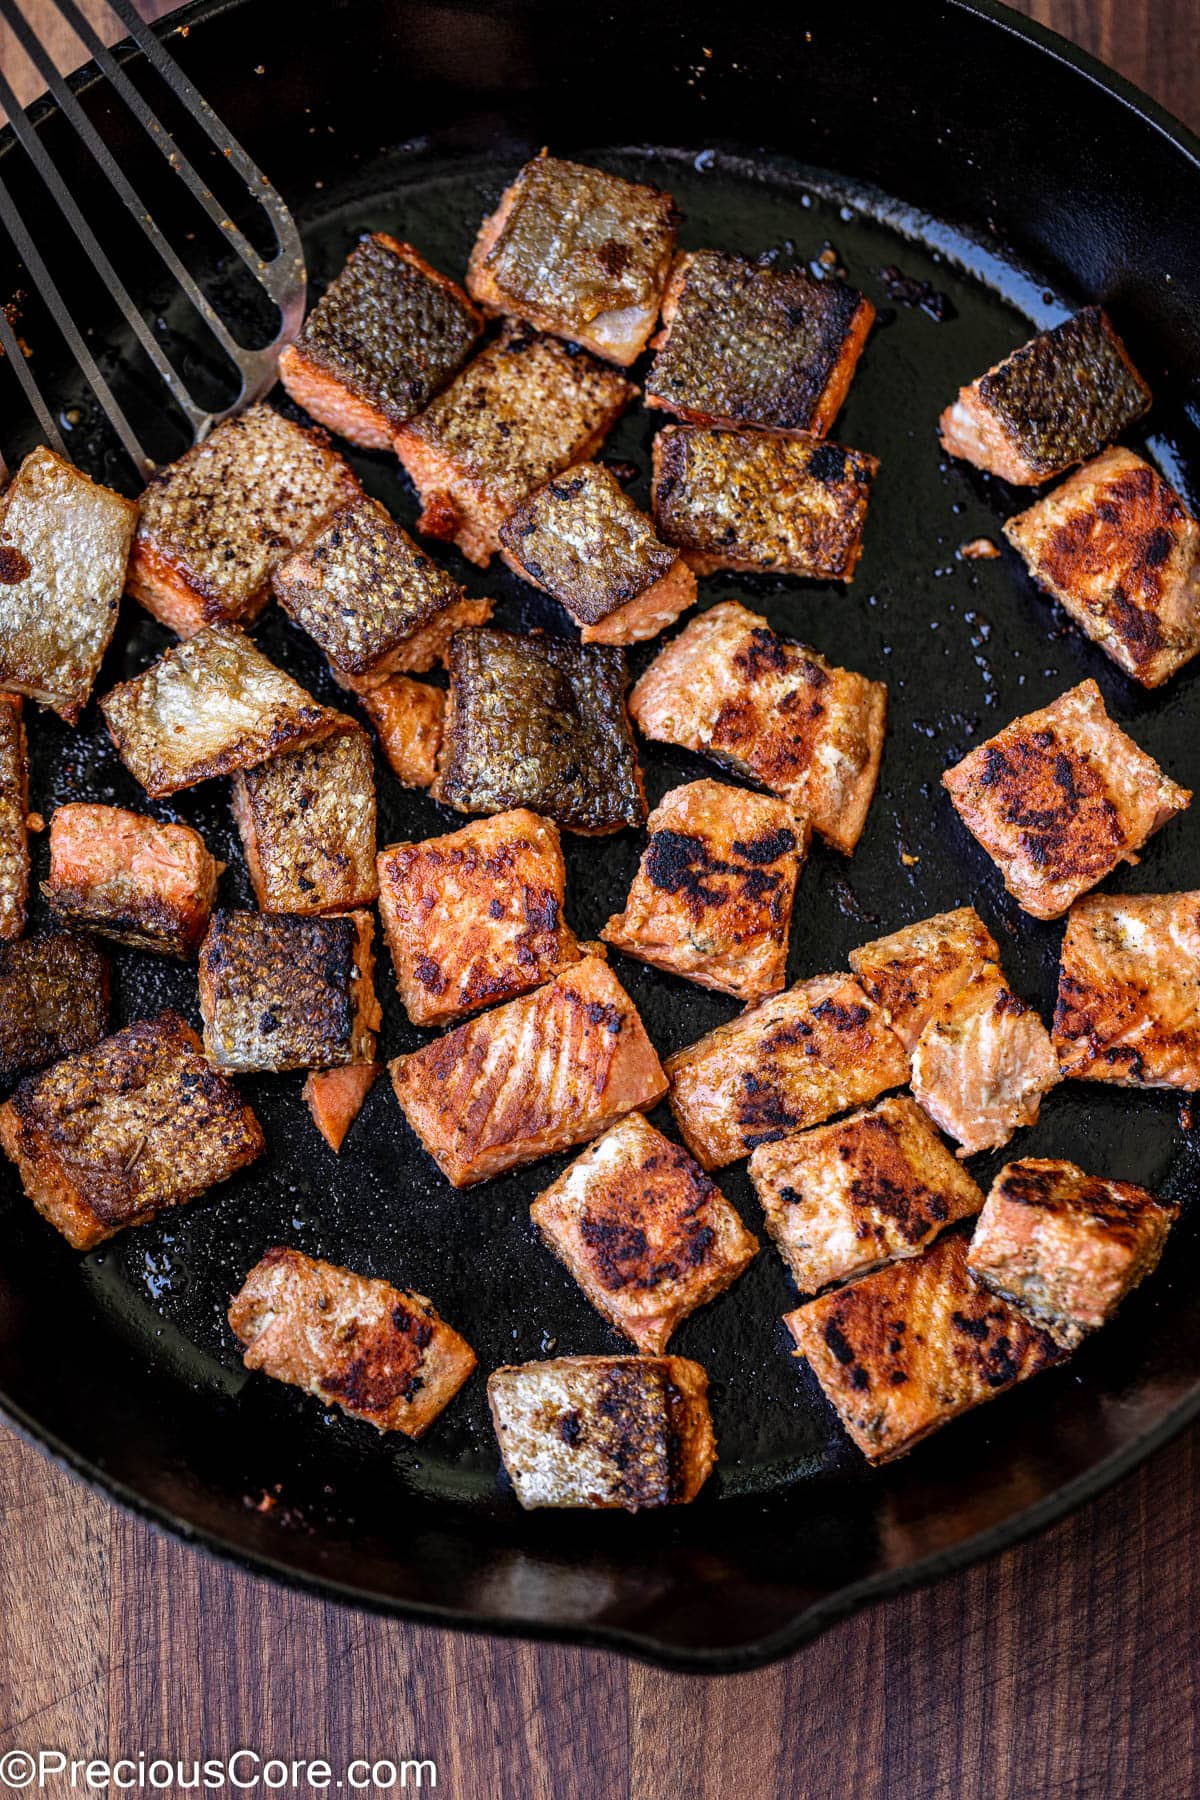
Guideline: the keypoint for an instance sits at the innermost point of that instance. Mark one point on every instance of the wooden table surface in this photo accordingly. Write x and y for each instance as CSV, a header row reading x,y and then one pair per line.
x,y
1070,1666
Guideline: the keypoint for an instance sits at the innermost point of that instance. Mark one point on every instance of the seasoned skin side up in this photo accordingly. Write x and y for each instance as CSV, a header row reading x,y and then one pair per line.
x,y
64,546
982,1064
751,500
378,1352
847,1198
409,718
743,345
773,711
1129,991
335,1098
577,252
1116,546
790,1062
1059,798
1064,1247
646,1234
1060,398
541,1074
524,409
108,1138
604,1431
386,334
909,1348
130,878
54,1000
911,973
476,916
14,817
214,524
307,824
712,898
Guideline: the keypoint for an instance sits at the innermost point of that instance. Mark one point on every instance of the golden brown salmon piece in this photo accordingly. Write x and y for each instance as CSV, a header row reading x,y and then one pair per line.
x,y
335,1098
790,1062
744,344
1059,798
751,500
604,1431
1129,991
583,540
982,1064
307,824
386,334
523,410
909,1348
712,898
1060,398
107,1138
476,916
577,252
378,1352
773,711
14,817
409,717
54,1000
646,1234
1116,546
553,1069
131,878
64,545
913,972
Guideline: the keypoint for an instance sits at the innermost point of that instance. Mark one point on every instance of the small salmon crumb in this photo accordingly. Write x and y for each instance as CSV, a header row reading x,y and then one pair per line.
x,y
980,549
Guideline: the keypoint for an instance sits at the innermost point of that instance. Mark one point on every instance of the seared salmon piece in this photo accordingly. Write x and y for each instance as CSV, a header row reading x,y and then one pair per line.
x,y
214,524
1059,798
1116,546
307,824
335,1098
550,1070
790,1062
583,540
14,817
744,344
868,1190
712,898
408,717
912,972
982,1064
1060,398
577,252
476,916
386,334
54,1000
130,878
523,410
1129,991
751,500
109,1137
773,711
64,546
909,1348
378,1352
604,1431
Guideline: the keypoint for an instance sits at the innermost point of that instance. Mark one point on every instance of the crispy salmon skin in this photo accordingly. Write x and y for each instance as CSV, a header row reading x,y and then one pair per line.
x,y
307,824
14,817
131,878
911,973
1129,991
54,1000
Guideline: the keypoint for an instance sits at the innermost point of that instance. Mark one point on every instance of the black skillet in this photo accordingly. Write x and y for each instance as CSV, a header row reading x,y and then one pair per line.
x,y
977,154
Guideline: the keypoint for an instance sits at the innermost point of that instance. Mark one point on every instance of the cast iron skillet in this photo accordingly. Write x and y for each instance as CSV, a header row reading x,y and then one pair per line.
x,y
979,154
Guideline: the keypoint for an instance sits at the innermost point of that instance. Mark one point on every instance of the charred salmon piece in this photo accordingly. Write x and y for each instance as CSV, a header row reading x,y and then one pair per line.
x,y
54,1000
64,546
540,722
790,1062
14,818
131,878
1129,991
408,717
1116,546
751,500
982,1064
771,710
378,1352
476,916
604,1431
1060,398
583,540
208,707
712,898
386,334
282,992
522,411
550,1070
847,1198
109,1137
307,824
335,1098
911,1347
216,523
913,972
745,345
646,1234
577,252
1059,798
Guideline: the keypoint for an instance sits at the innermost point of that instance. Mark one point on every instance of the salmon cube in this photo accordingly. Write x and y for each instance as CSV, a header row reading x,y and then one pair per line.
x,y
911,973
982,1064
409,718
54,999
307,824
131,878
282,992
1129,991
335,1098
14,818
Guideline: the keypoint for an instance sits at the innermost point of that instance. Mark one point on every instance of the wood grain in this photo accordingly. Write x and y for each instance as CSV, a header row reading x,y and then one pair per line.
x,y
1070,1666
